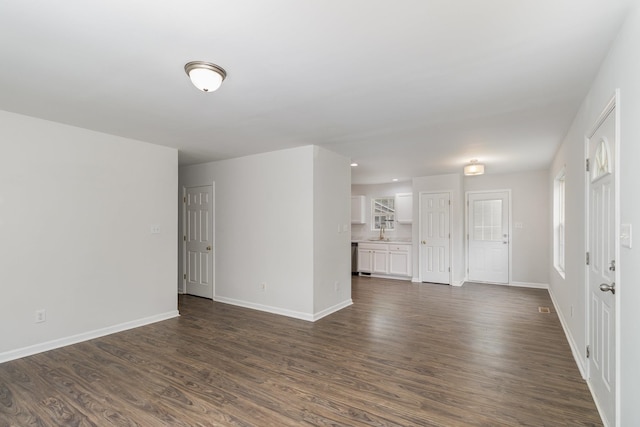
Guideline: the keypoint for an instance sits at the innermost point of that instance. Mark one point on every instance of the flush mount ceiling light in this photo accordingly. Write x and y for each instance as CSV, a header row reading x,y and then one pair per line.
x,y
204,75
474,168
354,164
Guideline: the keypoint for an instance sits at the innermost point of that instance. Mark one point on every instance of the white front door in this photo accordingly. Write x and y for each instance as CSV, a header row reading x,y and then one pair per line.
x,y
199,264
602,251
435,238
488,237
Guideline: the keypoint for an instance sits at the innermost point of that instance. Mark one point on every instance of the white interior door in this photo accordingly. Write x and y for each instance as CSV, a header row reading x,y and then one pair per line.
x,y
435,238
199,262
601,276
488,237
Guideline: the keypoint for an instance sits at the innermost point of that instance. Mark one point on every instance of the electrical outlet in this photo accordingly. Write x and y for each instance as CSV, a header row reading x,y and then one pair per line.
x,y
155,229
41,316
263,287
571,311
336,286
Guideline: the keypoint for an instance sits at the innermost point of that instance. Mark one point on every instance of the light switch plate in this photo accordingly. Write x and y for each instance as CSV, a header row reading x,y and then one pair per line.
x,y
519,225
625,235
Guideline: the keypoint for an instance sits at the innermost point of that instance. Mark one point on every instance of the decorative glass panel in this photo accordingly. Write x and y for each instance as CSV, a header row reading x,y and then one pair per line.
x,y
383,213
487,220
601,160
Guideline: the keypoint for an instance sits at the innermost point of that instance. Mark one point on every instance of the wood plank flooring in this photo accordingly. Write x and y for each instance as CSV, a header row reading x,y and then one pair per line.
x,y
403,355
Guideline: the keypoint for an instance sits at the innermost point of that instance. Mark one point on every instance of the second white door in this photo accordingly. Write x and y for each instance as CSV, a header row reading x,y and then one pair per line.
x,y
435,238
199,270
488,237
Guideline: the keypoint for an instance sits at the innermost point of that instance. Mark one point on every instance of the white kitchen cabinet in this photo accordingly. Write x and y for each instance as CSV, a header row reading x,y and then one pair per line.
x,y
404,208
373,258
383,259
400,260
357,209
365,260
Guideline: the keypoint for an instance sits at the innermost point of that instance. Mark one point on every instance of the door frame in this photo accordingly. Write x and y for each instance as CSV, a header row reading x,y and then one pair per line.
x,y
614,103
183,198
420,226
466,235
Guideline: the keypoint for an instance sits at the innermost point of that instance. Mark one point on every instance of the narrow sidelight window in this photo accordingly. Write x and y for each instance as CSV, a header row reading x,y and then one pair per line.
x,y
558,222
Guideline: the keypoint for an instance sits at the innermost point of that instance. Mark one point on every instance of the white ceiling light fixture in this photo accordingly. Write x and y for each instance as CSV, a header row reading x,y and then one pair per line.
x,y
204,75
474,168
354,164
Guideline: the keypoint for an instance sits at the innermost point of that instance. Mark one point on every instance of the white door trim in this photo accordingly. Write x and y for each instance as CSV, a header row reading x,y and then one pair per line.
x,y
420,247
466,231
614,103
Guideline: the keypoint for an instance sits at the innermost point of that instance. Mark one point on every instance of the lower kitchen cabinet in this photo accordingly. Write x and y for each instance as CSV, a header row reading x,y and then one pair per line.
x,y
365,260
400,260
380,261
383,259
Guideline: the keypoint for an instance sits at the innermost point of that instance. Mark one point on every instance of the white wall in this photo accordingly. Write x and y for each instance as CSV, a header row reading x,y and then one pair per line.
x,y
370,191
620,70
76,208
529,207
264,227
331,237
451,183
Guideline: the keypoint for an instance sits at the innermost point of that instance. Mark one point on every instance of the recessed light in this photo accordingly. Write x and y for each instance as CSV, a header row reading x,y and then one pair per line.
x,y
354,164
395,180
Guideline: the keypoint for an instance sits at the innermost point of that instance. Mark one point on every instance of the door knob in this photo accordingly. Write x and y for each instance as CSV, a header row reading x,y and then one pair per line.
x,y
208,248
424,242
606,288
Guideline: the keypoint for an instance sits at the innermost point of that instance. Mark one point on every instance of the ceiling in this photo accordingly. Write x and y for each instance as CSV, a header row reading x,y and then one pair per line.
x,y
405,88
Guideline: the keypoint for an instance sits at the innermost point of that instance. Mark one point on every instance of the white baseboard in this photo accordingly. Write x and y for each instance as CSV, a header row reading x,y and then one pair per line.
x,y
530,285
283,311
572,344
85,336
331,310
417,280
515,284
387,276
605,421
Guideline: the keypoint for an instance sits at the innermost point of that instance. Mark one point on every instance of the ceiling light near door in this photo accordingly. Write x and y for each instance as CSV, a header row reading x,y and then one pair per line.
x,y
204,75
474,168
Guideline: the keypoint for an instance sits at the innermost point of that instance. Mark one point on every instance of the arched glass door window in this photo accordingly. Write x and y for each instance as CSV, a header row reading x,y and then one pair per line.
x,y
601,160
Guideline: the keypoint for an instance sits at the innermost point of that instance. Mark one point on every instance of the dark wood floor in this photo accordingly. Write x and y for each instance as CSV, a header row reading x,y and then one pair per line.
x,y
403,355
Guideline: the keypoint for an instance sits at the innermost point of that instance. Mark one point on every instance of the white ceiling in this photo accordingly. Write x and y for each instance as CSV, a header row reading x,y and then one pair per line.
x,y
405,88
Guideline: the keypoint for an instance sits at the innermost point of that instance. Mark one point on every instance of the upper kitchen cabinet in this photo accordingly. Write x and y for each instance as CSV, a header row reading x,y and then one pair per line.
x,y
404,208
357,209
